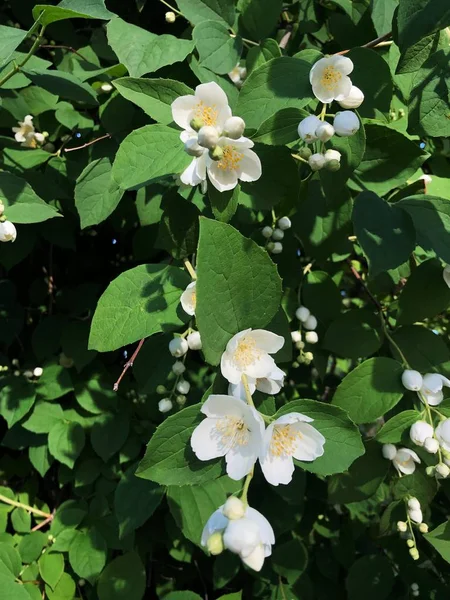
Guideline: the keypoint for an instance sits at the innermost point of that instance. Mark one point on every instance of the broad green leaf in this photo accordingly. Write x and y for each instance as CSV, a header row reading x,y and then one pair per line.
x,y
204,75
419,485
142,51
21,520
260,17
154,96
382,14
123,579
217,50
137,304
386,234
321,295
17,397
343,441
169,459
238,286
12,590
281,128
439,538
66,441
431,218
184,595
223,204
96,194
352,150
370,390
179,226
198,11
419,18
152,354
258,55
372,573
43,417
22,204
11,39
422,348
135,500
280,83
54,382
355,334
149,153
372,75
392,430
51,567
69,9
96,395
109,434
31,545
40,458
10,559
68,515
64,590
290,559
87,554
64,85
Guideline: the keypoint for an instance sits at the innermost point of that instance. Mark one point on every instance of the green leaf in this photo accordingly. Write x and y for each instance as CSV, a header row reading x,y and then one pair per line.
x,y
258,55
31,545
260,17
419,18
422,348
343,441
169,459
431,218
96,194
392,430
217,50
386,234
22,204
123,579
372,75
21,520
439,538
280,83
17,397
68,515
370,390
142,51
10,558
69,9
137,304
43,417
152,354
64,590
238,286
40,458
382,14
419,485
12,590
321,295
11,39
54,382
154,96
64,85
149,153
223,204
290,560
109,434
184,595
179,226
96,395
414,57
66,441
206,76
354,334
197,11
87,554
374,574
281,128
51,567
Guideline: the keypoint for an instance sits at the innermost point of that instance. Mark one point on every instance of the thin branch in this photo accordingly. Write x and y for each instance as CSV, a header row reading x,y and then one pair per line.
x,y
36,511
46,521
31,52
358,277
103,137
372,44
128,364
62,47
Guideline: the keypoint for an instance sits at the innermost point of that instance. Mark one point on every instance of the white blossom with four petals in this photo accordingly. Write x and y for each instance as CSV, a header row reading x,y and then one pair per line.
x,y
329,78
238,162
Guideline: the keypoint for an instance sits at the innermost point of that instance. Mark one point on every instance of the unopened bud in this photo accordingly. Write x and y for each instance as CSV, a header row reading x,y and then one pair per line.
x,y
234,508
309,356
430,471
410,543
216,153
165,405
284,223
161,389
215,544
267,232
317,161
192,148
389,451
178,368
302,313
194,341
402,526
178,347
332,165
311,337
183,386
296,336
310,323
181,400
196,124
234,127
423,528
304,153
414,553
431,445
277,235
412,380
277,248
442,470
325,132
208,137
170,17
38,371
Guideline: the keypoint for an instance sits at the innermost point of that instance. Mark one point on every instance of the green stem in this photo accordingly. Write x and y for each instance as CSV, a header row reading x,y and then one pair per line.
x,y
247,390
393,343
33,49
190,269
323,113
246,486
297,157
172,8
36,511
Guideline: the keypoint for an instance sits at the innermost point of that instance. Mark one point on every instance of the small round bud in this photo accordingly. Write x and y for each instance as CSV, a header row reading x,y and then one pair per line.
x,y
28,374
8,232
332,165
161,389
208,137
183,386
325,131
181,400
302,313
346,123
389,451
414,553
309,356
310,323
234,508
277,248
307,128
332,154
170,17
165,405
311,337
216,153
178,367
196,124
353,100
82,582
194,341
192,148
178,347
423,528
402,526
284,223
300,345
414,587
430,471
412,380
316,161
38,371
296,336
431,445
413,504
420,431
410,543
305,153
442,470
106,87
215,544
278,234
267,232
234,127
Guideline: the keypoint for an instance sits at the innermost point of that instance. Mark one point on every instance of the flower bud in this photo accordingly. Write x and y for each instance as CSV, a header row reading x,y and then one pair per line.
x,y
423,528
165,405
431,445
161,389
233,508
215,543
353,100
442,470
412,380
183,386
241,536
38,371
302,313
430,471
178,347
332,154
267,232
178,367
310,323
194,341
309,356
208,137
278,234
192,148
277,248
332,165
304,153
284,223
170,17
255,559
420,431
196,124
8,232
346,123
181,400
300,345
316,161
410,543
413,504
402,527
389,451
296,336
307,128
311,337
325,131
414,553
234,127
106,87
216,153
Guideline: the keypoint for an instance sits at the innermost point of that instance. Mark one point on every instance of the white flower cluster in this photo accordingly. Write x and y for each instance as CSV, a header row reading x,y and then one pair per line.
x,y
428,387
277,234
214,138
27,134
415,516
8,232
309,322
330,81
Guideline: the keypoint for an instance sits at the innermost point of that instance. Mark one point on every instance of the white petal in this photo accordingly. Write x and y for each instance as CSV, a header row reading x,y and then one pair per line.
x,y
220,405
250,168
255,560
445,272
241,459
216,522
293,417
237,390
182,109
343,63
265,528
229,368
261,367
268,385
242,143
222,179
187,299
187,135
201,166
211,94
189,175
310,445
321,93
206,441
234,341
20,137
411,453
266,340
343,88
276,469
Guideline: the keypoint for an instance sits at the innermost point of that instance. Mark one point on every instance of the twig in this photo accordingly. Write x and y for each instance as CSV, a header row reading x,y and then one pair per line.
x,y
128,364
189,268
32,50
358,277
372,44
46,521
51,47
36,511
103,137
172,8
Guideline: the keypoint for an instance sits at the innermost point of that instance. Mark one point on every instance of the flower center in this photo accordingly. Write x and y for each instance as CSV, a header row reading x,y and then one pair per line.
x,y
284,440
231,159
233,431
246,352
330,77
208,114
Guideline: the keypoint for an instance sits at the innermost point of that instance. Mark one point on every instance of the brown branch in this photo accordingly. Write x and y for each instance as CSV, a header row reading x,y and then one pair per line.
x,y
51,47
46,521
372,43
358,277
128,364
103,137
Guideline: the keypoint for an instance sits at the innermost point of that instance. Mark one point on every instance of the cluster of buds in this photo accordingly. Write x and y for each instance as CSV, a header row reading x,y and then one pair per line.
x,y
208,137
8,232
276,234
309,322
415,517
428,387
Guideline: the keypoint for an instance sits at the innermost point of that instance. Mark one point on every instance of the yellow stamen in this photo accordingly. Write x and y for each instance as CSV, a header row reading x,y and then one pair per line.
x,y
231,159
284,440
246,352
208,114
232,431
330,77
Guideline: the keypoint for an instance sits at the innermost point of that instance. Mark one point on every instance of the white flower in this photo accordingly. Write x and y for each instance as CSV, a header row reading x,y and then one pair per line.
x,y
234,128
38,371
420,431
317,161
324,131
276,248
8,232
302,313
311,337
402,527
389,451
415,514
278,234
208,106
310,323
231,429
432,388
26,133
237,162
431,445
290,436
194,341
404,461
165,405
178,347
413,504
208,137
331,154
191,145
106,87
248,353
234,508
346,123
284,223
271,384
296,336
195,172
189,298
443,434
412,380
170,17
267,232
183,386
354,99
329,80
446,275
307,128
